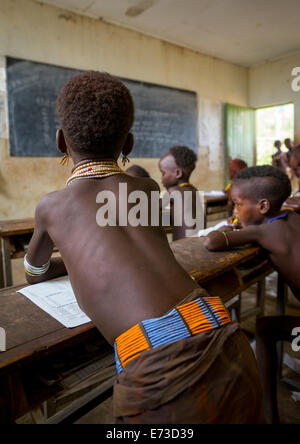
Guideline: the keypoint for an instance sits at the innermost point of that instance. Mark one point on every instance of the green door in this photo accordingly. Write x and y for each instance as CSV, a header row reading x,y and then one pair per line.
x,y
239,135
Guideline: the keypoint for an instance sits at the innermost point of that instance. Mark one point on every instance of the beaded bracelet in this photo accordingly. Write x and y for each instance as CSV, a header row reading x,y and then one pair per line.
x,y
35,271
226,238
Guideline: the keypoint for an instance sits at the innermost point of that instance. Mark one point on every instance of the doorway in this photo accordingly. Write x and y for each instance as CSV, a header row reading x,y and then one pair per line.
x,y
273,123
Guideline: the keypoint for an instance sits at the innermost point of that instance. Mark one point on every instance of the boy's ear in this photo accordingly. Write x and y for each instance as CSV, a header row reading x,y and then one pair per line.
x,y
264,206
128,145
179,173
61,141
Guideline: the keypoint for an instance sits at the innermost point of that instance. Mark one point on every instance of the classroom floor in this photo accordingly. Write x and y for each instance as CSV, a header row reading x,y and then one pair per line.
x,y
289,409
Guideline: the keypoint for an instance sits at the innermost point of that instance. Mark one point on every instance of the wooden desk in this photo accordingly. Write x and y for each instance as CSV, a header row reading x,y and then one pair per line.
x,y
225,273
33,335
292,204
14,237
214,205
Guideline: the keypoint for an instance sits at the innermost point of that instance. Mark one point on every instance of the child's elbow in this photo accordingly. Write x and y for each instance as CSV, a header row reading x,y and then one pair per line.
x,y
211,244
29,279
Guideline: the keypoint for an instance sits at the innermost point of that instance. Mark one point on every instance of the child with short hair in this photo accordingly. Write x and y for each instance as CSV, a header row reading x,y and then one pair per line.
x,y
234,167
179,357
176,167
258,194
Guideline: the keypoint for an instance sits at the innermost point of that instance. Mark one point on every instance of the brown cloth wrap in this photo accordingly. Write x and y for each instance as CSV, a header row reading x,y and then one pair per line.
x,y
210,378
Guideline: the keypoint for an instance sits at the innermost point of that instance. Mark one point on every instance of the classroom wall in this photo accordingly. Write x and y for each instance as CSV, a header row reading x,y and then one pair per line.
x,y
42,33
270,84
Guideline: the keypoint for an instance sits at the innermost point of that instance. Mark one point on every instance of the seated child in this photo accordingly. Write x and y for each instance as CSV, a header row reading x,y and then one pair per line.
x,y
279,159
176,167
137,171
179,358
258,194
234,166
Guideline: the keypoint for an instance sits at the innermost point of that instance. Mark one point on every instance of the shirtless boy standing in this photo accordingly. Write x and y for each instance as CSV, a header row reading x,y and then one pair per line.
x,y
179,357
258,194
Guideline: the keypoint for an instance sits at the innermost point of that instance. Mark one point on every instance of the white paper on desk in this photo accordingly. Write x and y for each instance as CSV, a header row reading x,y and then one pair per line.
x,y
295,396
206,231
214,193
56,297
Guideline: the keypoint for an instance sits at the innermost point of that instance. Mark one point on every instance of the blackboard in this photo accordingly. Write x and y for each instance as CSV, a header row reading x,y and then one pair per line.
x,y
163,116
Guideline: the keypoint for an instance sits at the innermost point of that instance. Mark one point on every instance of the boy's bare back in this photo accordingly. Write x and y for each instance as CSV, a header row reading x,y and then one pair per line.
x,y
120,275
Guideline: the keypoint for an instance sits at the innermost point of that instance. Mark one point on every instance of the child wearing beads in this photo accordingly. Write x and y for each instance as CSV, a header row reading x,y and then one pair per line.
x,y
174,345
176,167
258,194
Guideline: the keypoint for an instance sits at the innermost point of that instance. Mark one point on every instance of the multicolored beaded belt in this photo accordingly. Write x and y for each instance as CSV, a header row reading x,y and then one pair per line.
x,y
198,316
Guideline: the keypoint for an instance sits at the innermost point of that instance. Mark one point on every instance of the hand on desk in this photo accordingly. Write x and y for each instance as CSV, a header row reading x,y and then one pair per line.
x,y
234,223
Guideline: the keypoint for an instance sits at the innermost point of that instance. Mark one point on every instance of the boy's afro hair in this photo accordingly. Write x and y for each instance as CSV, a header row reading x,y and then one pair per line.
x,y
184,156
268,183
96,111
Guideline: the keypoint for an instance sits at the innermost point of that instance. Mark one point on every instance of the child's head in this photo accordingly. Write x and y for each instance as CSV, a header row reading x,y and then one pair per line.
x,y
259,192
277,144
177,165
235,166
289,144
96,113
137,171
295,160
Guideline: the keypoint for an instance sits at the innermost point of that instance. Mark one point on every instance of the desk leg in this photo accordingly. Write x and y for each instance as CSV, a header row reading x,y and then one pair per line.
x,y
205,217
13,400
6,262
261,296
7,399
2,278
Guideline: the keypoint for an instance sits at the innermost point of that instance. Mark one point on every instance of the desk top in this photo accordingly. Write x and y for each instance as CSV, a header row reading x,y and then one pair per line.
x,y
32,333
16,226
292,204
204,265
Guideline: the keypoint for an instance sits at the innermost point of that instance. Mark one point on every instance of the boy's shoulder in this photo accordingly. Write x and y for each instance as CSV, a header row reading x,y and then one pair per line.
x,y
275,236
48,203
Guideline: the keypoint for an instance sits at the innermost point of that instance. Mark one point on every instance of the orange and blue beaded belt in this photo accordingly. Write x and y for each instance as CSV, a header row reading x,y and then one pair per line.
x,y
198,316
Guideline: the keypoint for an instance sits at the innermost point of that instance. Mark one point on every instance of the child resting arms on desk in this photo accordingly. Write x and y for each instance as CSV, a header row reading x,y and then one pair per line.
x,y
179,357
258,194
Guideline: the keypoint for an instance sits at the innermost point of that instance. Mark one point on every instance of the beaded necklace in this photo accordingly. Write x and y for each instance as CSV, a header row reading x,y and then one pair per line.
x,y
185,184
97,169
283,216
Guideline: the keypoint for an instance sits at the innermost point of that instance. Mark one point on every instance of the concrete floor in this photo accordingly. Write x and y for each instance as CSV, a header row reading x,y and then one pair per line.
x,y
289,409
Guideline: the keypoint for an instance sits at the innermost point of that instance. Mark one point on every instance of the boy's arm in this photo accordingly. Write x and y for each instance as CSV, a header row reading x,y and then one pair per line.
x,y
218,241
41,247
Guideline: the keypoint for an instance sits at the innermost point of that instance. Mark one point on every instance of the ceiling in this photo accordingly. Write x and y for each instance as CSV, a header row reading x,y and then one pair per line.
x,y
245,32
